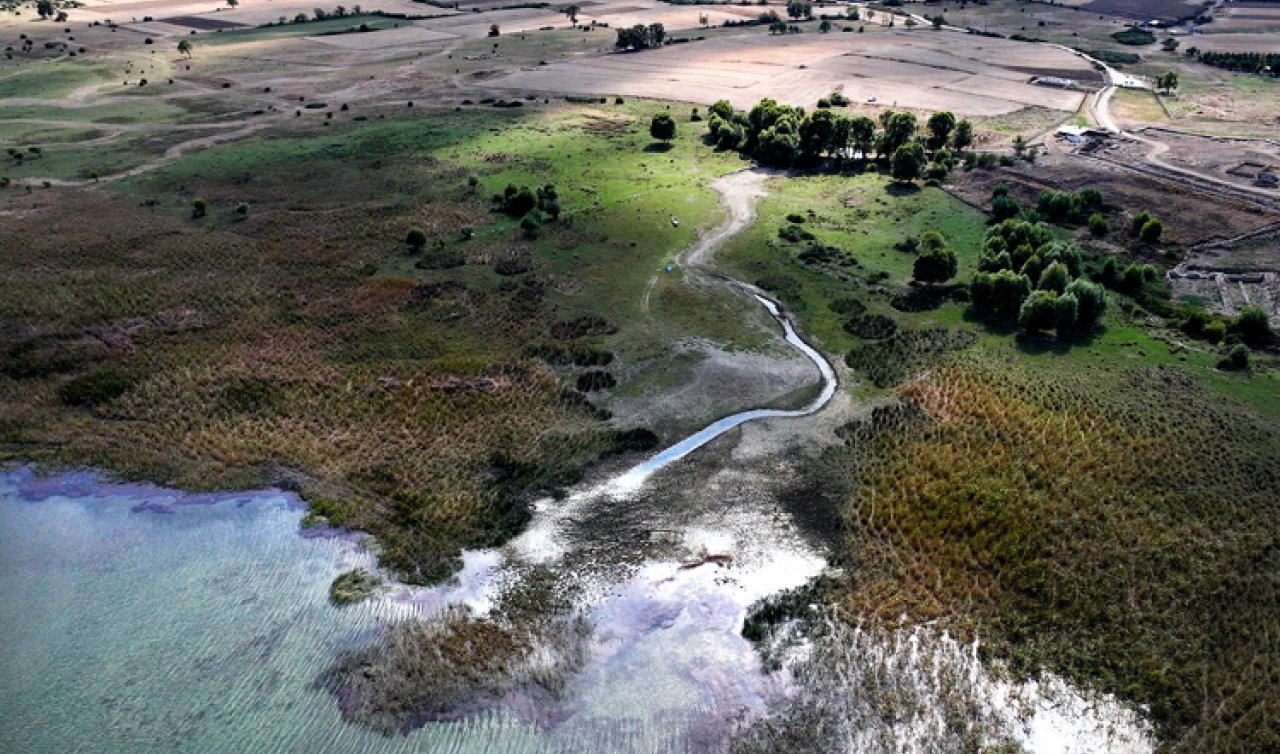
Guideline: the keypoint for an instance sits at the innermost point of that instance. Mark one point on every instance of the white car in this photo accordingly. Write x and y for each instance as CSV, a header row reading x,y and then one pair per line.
x,y
871,99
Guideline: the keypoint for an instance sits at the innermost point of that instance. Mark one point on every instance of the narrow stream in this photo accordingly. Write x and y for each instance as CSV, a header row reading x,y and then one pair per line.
x,y
637,475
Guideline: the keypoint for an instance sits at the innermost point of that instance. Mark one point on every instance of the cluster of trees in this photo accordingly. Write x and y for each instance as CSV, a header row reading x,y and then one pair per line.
x,y
47,9
534,206
784,135
1071,209
1248,62
641,37
1167,82
1025,274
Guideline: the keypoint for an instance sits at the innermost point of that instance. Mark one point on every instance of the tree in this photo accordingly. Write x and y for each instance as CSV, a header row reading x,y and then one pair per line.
x,y
963,137
1167,82
1170,44
935,265
1253,324
1054,278
704,20
862,135
494,30
663,127
572,12
911,23
416,238
185,47
938,22
199,208
898,129
907,162
1004,207
1039,312
1091,302
233,3
940,125
45,8
825,26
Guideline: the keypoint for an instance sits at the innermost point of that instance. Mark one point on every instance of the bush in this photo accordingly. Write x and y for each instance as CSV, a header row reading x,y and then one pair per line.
x,y
1236,359
1215,331
1054,278
199,208
1039,311
596,380
1091,302
794,233
1253,325
95,388
1000,294
935,265
871,327
1152,230
1098,225
416,238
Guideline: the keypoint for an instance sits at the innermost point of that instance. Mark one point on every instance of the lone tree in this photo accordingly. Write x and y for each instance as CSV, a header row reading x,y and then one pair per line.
x,y
935,265
663,128
416,238
185,47
572,12
1167,82
45,8
494,30
233,3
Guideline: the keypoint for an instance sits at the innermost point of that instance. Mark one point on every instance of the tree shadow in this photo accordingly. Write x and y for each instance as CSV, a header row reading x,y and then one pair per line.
x,y
658,146
893,188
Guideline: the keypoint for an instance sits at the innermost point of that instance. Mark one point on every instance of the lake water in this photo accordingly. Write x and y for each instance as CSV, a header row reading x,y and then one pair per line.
x,y
139,619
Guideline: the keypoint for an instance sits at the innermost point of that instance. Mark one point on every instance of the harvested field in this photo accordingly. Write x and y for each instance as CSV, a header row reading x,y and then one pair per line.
x,y
1190,217
1144,10
1252,42
905,69
1236,17
377,40
1237,161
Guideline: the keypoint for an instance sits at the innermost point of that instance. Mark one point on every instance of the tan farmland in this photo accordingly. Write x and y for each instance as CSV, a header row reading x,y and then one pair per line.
x,y
919,69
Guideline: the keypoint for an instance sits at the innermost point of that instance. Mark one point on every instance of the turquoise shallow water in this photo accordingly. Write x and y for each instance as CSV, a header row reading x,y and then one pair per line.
x,y
139,619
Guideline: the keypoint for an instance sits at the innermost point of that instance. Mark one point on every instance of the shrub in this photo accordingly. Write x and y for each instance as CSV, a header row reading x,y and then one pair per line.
x,y
596,380
794,233
1091,302
1039,311
1236,359
1253,324
416,238
1215,331
935,265
1098,225
1054,278
1152,230
199,208
1000,294
95,388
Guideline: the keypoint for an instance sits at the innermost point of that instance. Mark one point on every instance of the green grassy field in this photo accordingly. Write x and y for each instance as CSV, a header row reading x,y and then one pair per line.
x,y
289,342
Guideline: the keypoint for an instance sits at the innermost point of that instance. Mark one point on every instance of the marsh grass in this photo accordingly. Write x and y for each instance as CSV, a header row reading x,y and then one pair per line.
x,y
1116,526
